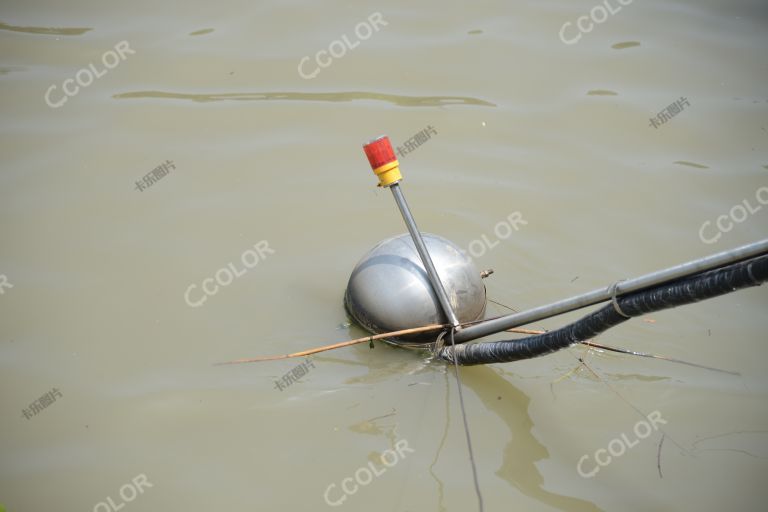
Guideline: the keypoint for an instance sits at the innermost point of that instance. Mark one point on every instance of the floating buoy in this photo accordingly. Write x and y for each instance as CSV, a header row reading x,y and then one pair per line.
x,y
415,288
389,289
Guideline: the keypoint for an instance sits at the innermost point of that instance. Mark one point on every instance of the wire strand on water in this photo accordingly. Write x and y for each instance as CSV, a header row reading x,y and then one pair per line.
x,y
466,429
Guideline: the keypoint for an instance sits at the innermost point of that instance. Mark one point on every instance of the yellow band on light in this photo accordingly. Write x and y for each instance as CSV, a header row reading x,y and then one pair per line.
x,y
388,173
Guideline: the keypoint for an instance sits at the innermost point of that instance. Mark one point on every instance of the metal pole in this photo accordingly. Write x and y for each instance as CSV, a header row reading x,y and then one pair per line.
x,y
382,158
434,278
596,296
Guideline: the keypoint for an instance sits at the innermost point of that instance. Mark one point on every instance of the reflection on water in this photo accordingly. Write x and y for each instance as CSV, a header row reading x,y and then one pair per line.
x,y
523,450
6,70
45,30
395,99
440,446
691,164
376,427
201,32
732,439
626,44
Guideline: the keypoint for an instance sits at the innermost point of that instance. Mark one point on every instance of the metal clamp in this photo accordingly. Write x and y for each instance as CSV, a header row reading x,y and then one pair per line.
x,y
614,302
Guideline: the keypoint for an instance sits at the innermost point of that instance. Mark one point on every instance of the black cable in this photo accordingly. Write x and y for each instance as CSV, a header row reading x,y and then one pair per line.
x,y
688,290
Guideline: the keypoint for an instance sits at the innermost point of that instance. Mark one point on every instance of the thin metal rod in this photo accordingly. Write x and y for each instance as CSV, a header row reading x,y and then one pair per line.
x,y
421,248
596,296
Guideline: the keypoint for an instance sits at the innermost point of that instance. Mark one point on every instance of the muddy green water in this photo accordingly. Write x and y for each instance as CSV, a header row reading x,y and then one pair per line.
x,y
109,398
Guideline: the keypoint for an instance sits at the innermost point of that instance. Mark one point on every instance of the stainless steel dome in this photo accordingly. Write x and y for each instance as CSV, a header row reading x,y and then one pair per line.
x,y
389,289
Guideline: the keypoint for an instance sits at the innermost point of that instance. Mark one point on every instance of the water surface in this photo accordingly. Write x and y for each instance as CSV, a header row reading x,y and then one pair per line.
x,y
99,256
